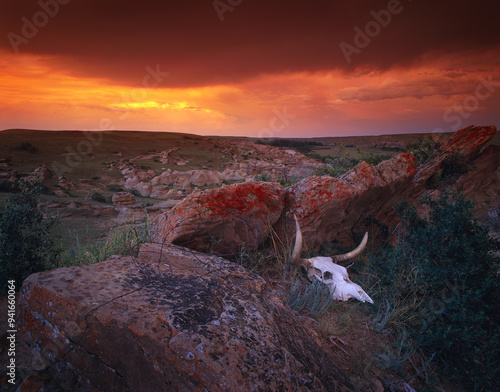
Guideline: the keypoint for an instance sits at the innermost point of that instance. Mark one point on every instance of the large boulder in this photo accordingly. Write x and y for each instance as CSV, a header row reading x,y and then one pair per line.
x,y
343,208
170,320
222,220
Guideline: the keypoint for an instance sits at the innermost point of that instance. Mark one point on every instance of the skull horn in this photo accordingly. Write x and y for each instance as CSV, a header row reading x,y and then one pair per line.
x,y
297,260
352,254
297,249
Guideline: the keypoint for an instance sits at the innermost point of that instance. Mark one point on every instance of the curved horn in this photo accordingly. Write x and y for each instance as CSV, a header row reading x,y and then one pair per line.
x,y
353,253
297,249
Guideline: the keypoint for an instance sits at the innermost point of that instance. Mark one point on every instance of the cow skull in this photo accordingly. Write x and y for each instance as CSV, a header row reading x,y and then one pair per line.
x,y
333,275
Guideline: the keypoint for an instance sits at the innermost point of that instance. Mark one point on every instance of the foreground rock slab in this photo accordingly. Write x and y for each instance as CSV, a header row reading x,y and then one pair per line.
x,y
170,320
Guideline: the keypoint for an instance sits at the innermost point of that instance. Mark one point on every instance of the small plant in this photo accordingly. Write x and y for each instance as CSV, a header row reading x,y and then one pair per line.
x,y
124,241
98,197
455,165
264,177
26,246
114,188
338,164
315,297
422,149
372,158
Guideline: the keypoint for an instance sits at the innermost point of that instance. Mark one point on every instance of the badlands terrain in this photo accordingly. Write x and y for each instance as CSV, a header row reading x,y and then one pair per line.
x,y
158,168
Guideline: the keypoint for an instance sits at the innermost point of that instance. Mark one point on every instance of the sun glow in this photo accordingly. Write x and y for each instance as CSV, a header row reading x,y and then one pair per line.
x,y
37,94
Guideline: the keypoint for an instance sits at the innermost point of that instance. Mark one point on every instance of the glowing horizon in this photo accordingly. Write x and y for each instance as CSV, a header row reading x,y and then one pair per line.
x,y
218,76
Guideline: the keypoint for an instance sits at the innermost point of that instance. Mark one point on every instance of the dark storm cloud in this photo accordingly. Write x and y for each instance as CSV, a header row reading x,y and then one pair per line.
x,y
200,45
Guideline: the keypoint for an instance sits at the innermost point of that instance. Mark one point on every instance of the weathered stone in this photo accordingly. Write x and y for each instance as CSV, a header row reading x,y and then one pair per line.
x,y
131,214
222,220
482,183
162,192
66,184
331,208
105,210
123,199
467,142
60,193
143,188
172,320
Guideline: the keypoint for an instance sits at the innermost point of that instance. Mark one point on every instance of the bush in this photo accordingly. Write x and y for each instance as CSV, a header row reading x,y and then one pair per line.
x,y
315,297
98,197
114,188
441,283
422,149
264,177
338,164
25,244
120,241
455,165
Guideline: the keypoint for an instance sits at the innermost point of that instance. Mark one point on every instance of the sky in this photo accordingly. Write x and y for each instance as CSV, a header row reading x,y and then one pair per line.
x,y
255,68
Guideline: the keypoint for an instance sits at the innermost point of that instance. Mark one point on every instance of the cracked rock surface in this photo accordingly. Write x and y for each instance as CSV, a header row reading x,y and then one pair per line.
x,y
170,320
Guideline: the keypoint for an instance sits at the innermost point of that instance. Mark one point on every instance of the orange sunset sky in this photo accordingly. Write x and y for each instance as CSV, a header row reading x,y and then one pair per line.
x,y
250,67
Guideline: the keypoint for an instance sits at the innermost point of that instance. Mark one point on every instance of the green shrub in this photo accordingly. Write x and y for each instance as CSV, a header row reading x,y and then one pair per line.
x,y
338,164
422,149
441,284
455,165
114,188
98,197
25,244
315,297
264,177
120,241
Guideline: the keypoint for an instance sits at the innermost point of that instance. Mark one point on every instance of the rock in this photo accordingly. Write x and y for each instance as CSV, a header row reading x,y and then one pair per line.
x,y
123,199
162,192
131,214
172,320
341,209
494,216
143,188
104,210
482,183
466,142
222,220
66,184
60,193
205,177
40,174
131,182
53,205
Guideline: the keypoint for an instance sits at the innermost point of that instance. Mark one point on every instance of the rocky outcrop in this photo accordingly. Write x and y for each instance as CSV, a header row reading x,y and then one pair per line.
x,y
363,198
343,208
170,320
123,199
482,183
222,220
331,208
467,142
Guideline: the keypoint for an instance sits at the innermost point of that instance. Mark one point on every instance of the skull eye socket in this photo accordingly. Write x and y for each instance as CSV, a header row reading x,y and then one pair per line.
x,y
327,275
